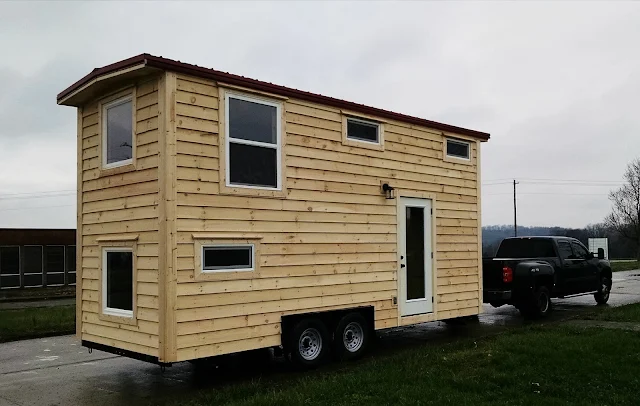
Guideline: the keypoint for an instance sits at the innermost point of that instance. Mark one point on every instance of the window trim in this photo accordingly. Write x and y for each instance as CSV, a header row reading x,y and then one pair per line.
x,y
225,239
251,268
120,166
277,146
107,313
364,122
460,142
106,106
356,142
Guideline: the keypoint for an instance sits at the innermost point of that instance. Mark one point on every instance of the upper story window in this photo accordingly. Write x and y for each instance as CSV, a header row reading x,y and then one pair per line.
x,y
361,130
253,142
458,149
117,132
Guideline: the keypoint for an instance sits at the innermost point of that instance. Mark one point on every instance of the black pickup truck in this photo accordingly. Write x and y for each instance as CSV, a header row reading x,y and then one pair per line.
x,y
528,271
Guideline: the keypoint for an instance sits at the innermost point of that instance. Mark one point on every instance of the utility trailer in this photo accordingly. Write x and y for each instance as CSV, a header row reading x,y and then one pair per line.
x,y
219,214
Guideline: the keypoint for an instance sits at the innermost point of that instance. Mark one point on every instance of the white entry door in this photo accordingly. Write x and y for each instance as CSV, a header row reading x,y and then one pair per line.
x,y
415,255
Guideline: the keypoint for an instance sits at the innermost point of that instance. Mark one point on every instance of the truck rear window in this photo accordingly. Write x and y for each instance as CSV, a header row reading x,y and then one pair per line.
x,y
526,248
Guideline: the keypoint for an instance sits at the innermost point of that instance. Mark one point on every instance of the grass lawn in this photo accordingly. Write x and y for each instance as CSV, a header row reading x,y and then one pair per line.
x,y
624,266
629,313
36,322
553,365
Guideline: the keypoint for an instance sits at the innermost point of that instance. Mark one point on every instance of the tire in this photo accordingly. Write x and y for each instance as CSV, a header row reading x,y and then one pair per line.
x,y
602,296
308,343
539,306
351,336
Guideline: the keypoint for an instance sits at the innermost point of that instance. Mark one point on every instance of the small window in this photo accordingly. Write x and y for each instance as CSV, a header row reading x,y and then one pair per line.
x,y
32,265
564,249
9,267
579,251
70,264
117,281
458,149
222,258
361,130
253,151
117,132
54,265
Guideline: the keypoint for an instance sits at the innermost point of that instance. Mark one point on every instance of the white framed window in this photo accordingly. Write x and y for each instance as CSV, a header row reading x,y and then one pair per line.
x,y
363,130
228,258
117,281
253,150
458,149
117,132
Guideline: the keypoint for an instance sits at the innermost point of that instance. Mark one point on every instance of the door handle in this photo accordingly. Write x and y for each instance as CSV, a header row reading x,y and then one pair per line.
x,y
402,265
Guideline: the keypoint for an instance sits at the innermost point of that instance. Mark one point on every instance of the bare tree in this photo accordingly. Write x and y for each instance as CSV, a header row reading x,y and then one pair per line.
x,y
625,216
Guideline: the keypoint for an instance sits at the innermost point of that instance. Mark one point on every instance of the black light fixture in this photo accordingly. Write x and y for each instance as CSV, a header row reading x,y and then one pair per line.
x,y
388,190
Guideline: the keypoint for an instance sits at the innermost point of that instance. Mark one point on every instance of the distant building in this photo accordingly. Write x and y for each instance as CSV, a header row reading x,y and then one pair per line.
x,y
32,258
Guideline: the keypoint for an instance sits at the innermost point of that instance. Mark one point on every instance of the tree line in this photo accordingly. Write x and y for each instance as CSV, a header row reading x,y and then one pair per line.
x,y
619,246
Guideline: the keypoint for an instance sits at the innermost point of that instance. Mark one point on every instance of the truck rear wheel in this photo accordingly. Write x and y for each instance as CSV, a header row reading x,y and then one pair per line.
x,y
308,343
539,305
602,296
351,336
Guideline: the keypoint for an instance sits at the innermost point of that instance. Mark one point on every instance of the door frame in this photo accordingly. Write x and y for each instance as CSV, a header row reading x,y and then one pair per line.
x,y
424,317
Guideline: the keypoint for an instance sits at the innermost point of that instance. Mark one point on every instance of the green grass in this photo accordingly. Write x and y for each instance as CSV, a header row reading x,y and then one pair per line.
x,y
552,365
624,266
629,313
36,322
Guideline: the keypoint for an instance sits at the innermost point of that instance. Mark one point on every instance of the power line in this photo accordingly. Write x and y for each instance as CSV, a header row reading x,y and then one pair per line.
x,y
37,207
37,193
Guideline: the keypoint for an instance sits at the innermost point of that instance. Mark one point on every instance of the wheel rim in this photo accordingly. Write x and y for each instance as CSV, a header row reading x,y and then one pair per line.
x,y
543,302
353,337
310,344
606,290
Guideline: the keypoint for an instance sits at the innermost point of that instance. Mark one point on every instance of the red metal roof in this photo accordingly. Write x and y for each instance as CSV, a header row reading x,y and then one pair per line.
x,y
194,70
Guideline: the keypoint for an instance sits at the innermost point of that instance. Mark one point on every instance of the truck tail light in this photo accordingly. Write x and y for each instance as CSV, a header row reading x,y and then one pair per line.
x,y
507,274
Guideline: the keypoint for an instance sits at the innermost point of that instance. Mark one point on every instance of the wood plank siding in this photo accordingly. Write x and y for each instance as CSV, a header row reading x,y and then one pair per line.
x,y
330,243
120,205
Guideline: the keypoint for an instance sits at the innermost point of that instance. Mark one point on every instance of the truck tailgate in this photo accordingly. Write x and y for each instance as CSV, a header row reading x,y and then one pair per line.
x,y
492,274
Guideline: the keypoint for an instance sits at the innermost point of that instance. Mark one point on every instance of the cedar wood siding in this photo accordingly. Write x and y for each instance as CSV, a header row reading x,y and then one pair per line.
x,y
331,242
122,204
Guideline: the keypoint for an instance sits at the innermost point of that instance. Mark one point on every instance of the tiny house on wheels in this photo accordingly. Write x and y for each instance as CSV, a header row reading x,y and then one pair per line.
x,y
219,214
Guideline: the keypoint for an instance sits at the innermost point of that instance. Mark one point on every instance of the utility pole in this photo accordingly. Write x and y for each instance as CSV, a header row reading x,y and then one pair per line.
x,y
515,210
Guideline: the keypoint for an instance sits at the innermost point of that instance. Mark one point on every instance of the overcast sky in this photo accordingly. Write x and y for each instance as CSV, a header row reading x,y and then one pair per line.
x,y
556,84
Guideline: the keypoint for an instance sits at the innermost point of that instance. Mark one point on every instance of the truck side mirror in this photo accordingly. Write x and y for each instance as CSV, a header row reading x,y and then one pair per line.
x,y
600,253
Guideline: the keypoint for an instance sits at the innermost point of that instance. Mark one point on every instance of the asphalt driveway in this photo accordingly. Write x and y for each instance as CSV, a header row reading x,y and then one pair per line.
x,y
58,371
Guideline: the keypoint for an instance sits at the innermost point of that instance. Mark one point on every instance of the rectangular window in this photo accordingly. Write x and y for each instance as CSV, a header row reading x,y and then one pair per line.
x,y
117,281
253,142
32,265
564,249
361,130
219,258
70,264
54,265
458,149
9,267
117,132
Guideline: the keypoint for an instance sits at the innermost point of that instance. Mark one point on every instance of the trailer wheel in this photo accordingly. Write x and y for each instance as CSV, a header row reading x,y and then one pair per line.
x,y
308,343
351,336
